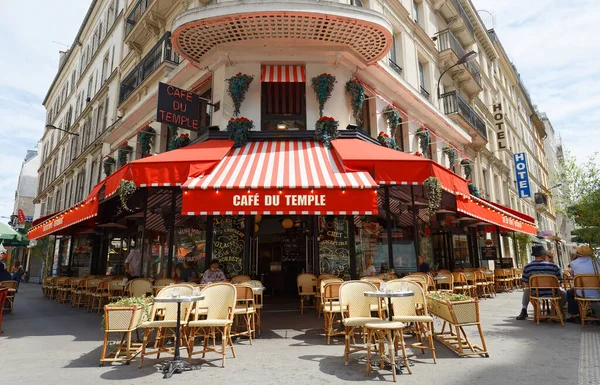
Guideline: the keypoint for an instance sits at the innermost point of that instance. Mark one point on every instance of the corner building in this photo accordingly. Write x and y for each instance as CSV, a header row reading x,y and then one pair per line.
x,y
283,202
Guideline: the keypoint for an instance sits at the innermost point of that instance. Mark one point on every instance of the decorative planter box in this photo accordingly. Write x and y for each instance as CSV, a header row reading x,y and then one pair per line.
x,y
456,315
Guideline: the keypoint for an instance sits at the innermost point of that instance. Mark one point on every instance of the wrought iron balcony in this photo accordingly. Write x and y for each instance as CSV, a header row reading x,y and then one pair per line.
x,y
454,104
447,41
457,18
463,15
161,53
395,66
136,14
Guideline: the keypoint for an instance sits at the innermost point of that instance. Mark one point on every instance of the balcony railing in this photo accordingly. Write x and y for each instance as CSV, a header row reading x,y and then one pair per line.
x,y
424,92
136,14
463,15
162,52
541,199
447,40
454,103
395,66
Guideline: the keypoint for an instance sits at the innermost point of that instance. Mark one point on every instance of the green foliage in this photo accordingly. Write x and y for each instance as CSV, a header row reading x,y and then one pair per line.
x,y
433,189
423,135
143,302
323,86
392,117
357,97
238,129
181,141
173,131
126,189
523,241
385,140
326,129
467,165
237,87
450,152
146,141
443,296
109,163
123,152
578,196
474,190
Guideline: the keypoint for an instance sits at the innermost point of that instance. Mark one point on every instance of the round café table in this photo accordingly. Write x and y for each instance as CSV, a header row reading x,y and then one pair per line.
x,y
389,294
177,365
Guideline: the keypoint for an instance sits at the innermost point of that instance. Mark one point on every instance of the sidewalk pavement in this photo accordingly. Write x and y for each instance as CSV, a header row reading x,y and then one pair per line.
x,y
50,343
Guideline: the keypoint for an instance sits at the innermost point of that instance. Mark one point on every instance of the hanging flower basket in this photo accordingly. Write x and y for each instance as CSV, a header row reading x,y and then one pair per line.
x,y
392,117
146,141
323,86
467,165
433,189
109,163
126,189
450,152
237,87
419,154
474,190
238,129
124,151
423,135
357,97
326,130
181,141
385,140
173,131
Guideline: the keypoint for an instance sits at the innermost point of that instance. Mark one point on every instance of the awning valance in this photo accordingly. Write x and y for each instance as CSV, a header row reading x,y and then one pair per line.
x,y
283,74
280,177
85,210
484,211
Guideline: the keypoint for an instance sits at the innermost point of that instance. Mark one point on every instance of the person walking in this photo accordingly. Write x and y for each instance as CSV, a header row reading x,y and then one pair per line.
x,y
17,273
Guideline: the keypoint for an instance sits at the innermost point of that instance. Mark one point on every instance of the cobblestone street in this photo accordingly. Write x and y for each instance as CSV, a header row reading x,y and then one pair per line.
x,y
57,344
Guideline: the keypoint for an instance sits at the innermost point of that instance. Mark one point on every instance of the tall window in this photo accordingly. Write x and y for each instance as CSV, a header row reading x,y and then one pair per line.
x,y
365,124
105,70
283,106
415,11
399,137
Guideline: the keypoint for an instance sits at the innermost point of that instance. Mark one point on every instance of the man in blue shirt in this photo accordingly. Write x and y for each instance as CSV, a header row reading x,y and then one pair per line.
x,y
583,263
539,266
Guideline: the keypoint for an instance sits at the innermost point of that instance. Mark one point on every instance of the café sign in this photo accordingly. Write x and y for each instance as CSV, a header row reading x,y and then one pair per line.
x,y
178,107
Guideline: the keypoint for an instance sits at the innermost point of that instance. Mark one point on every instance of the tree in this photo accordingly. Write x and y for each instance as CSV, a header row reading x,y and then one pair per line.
x,y
578,196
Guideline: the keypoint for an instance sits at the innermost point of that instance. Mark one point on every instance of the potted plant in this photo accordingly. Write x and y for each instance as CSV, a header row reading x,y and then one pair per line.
x,y
450,152
237,87
385,140
125,190
357,96
467,165
146,140
453,308
181,141
326,129
473,189
109,163
392,118
423,135
323,86
433,189
123,154
238,129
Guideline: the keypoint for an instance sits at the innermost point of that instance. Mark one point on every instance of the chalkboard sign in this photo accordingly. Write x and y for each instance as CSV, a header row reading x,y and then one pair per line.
x,y
191,244
506,263
228,244
334,252
488,253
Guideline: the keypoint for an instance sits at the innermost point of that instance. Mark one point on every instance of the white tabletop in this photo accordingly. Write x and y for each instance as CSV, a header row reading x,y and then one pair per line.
x,y
189,298
389,293
440,277
258,289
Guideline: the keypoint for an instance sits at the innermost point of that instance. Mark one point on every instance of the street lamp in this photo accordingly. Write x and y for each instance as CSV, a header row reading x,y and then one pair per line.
x,y
468,57
51,127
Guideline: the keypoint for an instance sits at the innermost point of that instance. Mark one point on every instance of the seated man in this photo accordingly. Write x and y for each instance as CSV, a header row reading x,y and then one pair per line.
x,y
213,274
583,263
4,274
539,266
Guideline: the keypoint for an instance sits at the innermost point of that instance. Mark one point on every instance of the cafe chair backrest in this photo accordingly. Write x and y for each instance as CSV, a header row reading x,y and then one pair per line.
x,y
353,299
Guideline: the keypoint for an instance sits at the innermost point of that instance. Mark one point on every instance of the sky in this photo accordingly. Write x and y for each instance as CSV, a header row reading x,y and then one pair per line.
x,y
552,42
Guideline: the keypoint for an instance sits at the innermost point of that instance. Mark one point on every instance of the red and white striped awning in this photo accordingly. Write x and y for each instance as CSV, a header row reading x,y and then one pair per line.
x,y
283,74
280,177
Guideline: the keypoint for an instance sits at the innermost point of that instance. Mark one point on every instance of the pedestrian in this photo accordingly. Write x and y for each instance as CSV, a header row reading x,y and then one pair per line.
x,y
539,266
17,273
584,262
423,266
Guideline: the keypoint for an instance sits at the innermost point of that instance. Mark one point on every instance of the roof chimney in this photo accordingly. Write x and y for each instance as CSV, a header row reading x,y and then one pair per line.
x,y
62,57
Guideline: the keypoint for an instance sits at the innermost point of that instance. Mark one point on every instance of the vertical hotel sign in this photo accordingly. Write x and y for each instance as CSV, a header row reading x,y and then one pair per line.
x,y
522,175
500,126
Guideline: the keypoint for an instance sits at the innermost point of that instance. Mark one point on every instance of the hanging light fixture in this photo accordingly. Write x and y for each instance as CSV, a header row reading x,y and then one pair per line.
x,y
257,218
287,223
256,228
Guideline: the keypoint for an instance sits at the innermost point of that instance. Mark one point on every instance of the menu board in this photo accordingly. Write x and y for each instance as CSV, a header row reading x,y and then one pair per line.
x,y
191,244
488,253
228,243
334,251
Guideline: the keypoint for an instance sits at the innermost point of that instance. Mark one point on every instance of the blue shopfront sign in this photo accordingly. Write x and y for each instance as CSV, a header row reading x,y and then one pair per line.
x,y
522,175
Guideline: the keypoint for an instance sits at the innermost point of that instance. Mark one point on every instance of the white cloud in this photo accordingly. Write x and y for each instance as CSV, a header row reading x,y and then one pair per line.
x,y
28,64
554,46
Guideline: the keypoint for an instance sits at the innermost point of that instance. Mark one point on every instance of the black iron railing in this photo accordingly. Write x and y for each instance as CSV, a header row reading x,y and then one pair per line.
x,y
162,52
463,15
454,103
447,40
424,92
395,66
136,14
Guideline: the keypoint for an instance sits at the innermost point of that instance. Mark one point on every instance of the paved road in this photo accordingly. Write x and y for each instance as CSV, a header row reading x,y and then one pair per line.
x,y
44,342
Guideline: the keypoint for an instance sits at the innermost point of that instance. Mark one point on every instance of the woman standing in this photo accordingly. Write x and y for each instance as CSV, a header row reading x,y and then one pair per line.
x,y
17,272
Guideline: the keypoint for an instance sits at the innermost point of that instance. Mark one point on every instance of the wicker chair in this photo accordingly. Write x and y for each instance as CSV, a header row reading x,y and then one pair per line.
x,y
47,287
386,332
504,279
10,296
63,289
414,310
115,289
165,326
461,285
445,282
357,311
490,279
545,287
91,285
219,301
481,284
244,312
331,306
78,295
241,279
471,283
161,283
100,296
307,285
258,289
586,286
139,287
3,295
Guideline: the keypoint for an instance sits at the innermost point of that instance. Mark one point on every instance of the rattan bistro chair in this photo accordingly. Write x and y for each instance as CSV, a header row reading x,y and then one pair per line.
x,y
241,279
139,287
357,311
166,325
331,307
244,312
307,287
445,282
405,311
160,283
586,285
545,287
504,279
10,296
219,301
